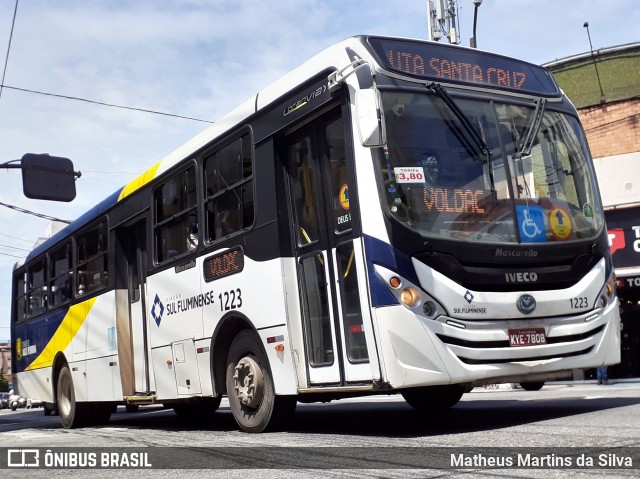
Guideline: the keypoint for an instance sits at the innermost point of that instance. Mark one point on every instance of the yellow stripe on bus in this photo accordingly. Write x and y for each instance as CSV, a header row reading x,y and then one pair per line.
x,y
67,330
139,182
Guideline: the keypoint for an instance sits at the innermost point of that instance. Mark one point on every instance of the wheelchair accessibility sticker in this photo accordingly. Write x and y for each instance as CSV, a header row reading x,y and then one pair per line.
x,y
531,224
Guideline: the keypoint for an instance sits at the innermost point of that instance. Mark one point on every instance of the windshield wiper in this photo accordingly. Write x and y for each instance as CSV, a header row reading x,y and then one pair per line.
x,y
477,140
532,134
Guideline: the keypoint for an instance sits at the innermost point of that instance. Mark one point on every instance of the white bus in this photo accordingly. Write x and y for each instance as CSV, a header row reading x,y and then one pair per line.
x,y
392,216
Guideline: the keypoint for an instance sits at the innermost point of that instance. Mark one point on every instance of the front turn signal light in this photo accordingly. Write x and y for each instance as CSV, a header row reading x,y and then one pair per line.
x,y
610,288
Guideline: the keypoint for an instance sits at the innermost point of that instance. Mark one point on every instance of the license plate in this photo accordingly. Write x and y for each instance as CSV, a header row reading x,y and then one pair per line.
x,y
527,337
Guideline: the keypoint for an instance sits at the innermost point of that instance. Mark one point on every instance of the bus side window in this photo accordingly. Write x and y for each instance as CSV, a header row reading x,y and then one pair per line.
x,y
228,178
91,270
175,229
37,300
20,312
61,274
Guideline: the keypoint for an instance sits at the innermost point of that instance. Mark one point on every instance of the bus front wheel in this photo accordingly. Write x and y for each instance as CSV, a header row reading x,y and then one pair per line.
x,y
434,397
250,388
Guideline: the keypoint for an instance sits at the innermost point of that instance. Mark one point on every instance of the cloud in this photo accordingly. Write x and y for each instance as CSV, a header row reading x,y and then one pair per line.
x,y
201,58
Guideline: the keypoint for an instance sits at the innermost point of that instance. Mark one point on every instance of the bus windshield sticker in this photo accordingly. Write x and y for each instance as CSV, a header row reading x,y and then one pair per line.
x,y
560,223
531,224
587,211
408,174
343,197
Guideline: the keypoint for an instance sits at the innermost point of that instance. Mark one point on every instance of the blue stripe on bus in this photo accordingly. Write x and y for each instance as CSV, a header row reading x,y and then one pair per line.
x,y
383,254
36,332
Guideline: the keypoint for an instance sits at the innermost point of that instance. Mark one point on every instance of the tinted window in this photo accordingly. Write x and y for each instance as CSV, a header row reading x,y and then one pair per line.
x,y
92,269
37,299
176,219
61,285
228,179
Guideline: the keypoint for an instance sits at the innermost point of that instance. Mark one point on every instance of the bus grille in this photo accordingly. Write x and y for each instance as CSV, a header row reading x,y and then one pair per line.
x,y
536,358
489,345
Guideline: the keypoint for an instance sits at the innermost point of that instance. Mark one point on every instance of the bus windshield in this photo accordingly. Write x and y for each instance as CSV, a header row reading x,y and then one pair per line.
x,y
534,186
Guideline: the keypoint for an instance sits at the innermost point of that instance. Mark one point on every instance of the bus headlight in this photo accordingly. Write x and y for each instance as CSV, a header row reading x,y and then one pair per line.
x,y
410,295
608,292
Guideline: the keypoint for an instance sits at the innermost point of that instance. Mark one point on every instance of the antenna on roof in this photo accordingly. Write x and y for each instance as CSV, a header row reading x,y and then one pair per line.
x,y
443,20
595,64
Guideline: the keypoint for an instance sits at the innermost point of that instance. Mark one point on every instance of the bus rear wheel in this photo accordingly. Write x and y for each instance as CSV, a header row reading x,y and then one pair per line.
x,y
72,414
534,386
250,389
433,397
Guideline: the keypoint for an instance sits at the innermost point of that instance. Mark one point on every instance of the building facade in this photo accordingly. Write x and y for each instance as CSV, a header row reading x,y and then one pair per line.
x,y
605,89
5,360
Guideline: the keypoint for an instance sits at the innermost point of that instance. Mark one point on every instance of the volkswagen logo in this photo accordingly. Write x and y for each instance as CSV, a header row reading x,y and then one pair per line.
x,y
526,304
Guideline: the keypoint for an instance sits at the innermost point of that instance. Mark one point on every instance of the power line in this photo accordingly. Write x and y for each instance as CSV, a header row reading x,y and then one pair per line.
x,y
15,237
6,60
12,255
619,120
8,246
67,97
39,215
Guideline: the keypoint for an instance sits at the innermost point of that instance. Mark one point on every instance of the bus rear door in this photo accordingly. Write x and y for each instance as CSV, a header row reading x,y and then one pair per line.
x,y
131,315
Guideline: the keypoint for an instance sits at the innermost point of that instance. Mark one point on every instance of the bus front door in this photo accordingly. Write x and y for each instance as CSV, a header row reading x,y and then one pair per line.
x,y
337,331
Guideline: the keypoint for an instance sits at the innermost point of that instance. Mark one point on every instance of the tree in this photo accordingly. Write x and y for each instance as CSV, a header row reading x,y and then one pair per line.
x,y
4,384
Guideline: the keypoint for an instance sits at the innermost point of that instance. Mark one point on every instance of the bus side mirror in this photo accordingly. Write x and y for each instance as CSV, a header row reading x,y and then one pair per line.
x,y
46,177
369,118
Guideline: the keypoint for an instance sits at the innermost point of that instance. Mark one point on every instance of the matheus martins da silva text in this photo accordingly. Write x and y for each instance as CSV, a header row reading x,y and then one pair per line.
x,y
547,460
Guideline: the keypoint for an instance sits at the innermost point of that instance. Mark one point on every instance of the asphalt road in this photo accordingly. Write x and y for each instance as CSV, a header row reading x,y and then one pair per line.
x,y
369,436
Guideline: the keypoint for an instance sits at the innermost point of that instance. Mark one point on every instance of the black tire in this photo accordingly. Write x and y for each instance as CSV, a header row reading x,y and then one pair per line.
x,y
199,410
72,414
252,398
534,386
131,407
100,413
433,397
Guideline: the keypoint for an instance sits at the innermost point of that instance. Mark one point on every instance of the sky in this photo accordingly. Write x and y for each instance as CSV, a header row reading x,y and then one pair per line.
x,y
200,59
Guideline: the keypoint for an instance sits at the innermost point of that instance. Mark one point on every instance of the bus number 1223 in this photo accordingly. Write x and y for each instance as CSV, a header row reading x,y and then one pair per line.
x,y
230,299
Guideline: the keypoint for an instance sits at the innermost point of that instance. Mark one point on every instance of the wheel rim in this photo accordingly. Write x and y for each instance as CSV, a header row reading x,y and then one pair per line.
x,y
64,400
248,382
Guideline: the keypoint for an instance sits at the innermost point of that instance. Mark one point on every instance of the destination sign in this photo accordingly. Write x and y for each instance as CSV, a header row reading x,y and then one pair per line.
x,y
223,264
442,62
457,200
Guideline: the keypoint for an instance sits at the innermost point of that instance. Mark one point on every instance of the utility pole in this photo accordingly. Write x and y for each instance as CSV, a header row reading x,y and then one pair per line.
x,y
473,42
